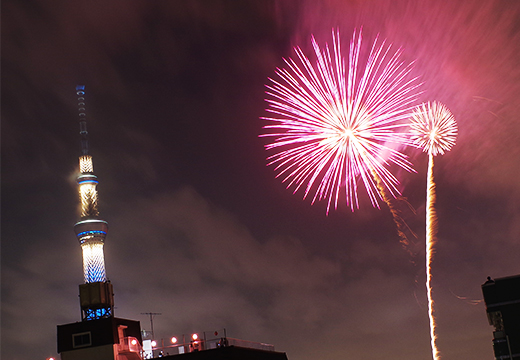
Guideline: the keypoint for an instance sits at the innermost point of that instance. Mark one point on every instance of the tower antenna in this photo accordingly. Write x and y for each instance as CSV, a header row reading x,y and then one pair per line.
x,y
80,91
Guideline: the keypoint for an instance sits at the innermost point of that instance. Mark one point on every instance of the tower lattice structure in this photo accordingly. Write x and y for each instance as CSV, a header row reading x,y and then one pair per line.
x,y
96,295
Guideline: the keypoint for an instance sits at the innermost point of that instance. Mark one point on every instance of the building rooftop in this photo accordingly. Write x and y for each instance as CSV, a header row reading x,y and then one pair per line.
x,y
228,353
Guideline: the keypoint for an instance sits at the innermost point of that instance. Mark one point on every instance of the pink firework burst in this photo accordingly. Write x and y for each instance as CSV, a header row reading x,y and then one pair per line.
x,y
335,124
433,128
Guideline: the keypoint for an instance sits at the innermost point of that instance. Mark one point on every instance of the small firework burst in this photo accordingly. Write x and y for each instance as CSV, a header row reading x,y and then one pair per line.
x,y
433,128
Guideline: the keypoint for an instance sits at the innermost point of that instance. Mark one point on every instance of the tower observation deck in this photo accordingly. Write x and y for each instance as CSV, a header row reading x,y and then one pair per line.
x,y
96,295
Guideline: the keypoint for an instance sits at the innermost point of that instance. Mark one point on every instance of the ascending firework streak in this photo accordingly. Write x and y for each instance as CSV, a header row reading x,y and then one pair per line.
x,y
433,128
336,125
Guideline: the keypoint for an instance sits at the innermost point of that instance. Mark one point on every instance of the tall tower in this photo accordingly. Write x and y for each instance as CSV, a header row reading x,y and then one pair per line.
x,y
99,335
96,295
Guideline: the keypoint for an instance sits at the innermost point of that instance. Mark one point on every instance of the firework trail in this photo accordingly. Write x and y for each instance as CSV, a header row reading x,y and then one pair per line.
x,y
336,125
467,300
400,224
433,128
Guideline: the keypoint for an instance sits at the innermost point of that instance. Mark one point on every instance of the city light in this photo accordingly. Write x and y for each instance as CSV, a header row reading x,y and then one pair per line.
x,y
194,336
174,340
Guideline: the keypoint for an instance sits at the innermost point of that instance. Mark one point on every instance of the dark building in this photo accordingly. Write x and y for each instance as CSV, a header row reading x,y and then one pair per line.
x,y
105,338
502,298
229,353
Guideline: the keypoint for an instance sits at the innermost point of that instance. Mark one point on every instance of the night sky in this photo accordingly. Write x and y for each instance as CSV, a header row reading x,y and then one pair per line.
x,y
200,229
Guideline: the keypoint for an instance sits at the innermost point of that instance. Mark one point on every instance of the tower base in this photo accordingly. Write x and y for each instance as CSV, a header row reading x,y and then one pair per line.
x,y
96,300
100,339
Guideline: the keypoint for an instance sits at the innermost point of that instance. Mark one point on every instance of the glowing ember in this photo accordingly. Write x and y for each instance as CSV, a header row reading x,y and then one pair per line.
x,y
434,130
335,125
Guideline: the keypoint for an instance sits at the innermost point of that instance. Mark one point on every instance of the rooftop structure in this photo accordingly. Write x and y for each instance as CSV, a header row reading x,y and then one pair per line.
x,y
229,353
181,345
502,298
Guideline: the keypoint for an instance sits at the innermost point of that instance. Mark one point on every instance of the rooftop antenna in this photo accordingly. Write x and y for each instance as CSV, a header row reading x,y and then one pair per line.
x,y
152,314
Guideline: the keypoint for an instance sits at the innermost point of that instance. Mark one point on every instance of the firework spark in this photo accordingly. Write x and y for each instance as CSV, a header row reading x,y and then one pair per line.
x,y
335,125
433,128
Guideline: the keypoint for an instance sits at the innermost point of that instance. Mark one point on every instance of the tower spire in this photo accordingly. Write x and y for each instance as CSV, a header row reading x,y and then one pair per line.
x,y
96,293
80,91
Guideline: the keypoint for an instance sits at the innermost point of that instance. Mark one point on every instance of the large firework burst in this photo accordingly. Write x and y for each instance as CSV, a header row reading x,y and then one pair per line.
x,y
338,123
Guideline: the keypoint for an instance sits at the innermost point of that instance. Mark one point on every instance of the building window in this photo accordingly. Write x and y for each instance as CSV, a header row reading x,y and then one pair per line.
x,y
81,340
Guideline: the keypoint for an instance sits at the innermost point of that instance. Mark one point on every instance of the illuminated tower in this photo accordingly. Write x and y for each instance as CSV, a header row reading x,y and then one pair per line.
x,y
99,335
96,296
